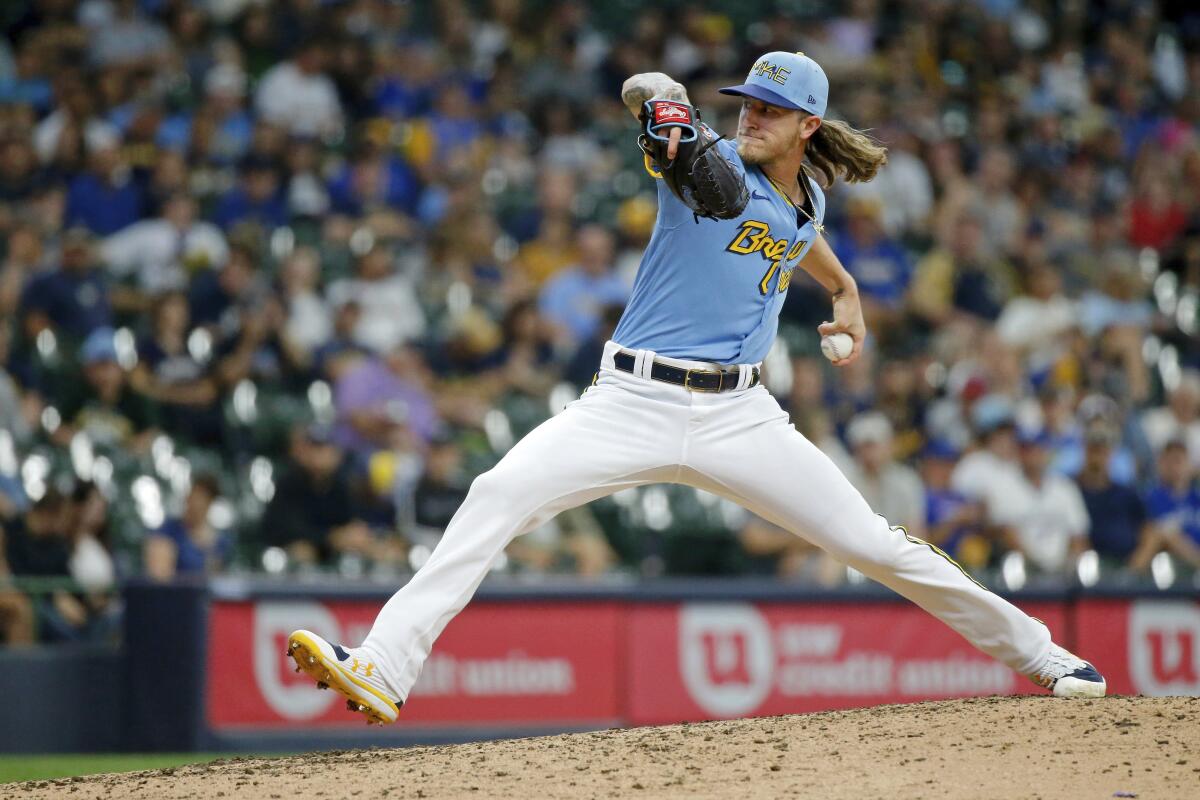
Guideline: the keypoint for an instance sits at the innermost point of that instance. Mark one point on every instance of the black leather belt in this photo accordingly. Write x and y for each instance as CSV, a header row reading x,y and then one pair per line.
x,y
697,380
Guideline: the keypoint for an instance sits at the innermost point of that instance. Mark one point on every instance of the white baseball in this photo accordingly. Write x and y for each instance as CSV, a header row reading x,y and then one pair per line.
x,y
837,346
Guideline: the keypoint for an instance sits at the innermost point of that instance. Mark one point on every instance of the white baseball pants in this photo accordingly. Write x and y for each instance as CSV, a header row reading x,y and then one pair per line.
x,y
628,430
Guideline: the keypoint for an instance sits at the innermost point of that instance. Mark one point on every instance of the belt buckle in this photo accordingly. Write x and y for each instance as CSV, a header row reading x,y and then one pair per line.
x,y
687,380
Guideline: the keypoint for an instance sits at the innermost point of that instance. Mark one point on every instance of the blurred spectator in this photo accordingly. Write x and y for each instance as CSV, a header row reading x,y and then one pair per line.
x,y
1046,519
161,253
106,409
991,473
1173,506
190,545
258,197
959,275
903,188
374,181
880,266
91,563
172,372
127,38
1179,418
551,250
73,299
217,291
309,323
1036,318
18,413
890,488
298,95
23,258
574,298
382,404
313,513
953,522
221,129
442,487
106,198
36,545
389,312
260,349
1117,513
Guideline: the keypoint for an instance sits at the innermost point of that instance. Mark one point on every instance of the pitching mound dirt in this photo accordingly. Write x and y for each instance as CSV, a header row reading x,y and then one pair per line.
x,y
1018,747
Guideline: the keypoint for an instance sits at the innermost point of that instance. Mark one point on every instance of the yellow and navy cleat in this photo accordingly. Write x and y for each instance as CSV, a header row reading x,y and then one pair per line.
x,y
1068,675
333,667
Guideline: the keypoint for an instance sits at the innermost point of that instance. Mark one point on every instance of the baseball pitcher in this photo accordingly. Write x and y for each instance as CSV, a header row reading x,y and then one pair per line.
x,y
677,396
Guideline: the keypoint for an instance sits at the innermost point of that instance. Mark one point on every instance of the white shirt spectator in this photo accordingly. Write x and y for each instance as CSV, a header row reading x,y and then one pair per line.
x,y
309,323
904,189
158,253
391,314
896,492
1028,321
984,476
47,133
305,103
1046,518
1178,419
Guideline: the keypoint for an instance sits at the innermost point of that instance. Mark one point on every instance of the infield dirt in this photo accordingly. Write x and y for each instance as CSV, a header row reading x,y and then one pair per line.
x,y
1011,747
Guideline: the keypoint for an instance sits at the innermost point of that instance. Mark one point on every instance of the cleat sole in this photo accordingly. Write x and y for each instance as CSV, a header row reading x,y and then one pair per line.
x,y
307,655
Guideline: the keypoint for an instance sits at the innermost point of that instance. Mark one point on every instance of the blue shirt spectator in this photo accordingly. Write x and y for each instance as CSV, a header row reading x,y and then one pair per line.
x,y
101,205
880,265
258,197
192,558
190,544
576,297
1117,514
1177,508
73,299
941,506
372,181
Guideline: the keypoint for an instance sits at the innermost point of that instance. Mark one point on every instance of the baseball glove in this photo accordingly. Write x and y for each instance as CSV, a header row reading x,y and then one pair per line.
x,y
698,175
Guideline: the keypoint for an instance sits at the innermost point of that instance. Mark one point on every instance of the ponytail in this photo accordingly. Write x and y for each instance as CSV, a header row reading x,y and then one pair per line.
x,y
837,150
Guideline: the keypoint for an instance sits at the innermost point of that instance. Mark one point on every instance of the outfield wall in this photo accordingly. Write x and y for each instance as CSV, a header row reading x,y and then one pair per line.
x,y
204,665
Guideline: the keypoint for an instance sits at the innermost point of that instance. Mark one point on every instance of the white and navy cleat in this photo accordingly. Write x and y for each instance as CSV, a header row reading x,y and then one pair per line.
x,y
1067,675
347,671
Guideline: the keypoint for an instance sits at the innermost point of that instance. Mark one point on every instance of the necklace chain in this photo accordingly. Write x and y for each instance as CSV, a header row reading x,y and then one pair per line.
x,y
818,227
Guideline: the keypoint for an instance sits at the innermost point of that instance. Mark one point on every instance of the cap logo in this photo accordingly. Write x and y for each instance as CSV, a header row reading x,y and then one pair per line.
x,y
776,72
812,101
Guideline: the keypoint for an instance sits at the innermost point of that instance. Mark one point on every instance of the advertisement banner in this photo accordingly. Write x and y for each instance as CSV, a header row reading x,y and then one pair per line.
x,y
496,664
719,660
1149,647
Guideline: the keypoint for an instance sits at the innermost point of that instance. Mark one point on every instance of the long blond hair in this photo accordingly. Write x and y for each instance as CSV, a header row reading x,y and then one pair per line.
x,y
837,150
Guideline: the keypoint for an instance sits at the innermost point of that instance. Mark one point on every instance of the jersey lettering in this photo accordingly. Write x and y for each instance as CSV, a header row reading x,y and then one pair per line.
x,y
755,237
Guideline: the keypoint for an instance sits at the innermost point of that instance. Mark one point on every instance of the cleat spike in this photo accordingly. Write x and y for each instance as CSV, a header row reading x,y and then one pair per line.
x,y
297,668
322,685
312,659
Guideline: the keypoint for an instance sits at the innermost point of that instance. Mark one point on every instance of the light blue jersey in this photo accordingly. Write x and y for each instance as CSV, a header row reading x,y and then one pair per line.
x,y
712,291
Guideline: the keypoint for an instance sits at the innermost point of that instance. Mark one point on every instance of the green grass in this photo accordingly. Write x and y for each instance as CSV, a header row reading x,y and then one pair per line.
x,y
33,768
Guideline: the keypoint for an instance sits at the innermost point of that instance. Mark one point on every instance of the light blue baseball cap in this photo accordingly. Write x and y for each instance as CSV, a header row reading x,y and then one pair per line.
x,y
790,80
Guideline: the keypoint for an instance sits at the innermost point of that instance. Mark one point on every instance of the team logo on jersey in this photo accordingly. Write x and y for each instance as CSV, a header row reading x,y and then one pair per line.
x,y
670,112
755,237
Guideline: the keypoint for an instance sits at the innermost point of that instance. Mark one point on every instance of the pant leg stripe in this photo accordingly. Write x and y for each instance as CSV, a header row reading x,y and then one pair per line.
x,y
940,552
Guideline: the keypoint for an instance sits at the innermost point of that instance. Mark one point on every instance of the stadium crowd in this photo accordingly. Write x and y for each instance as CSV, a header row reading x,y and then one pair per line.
x,y
277,279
